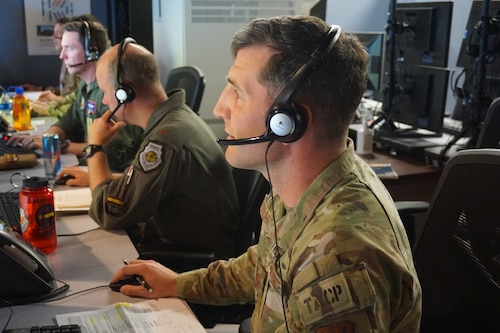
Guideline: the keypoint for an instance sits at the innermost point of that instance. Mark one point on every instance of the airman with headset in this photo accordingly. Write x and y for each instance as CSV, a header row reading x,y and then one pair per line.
x,y
179,193
333,255
83,41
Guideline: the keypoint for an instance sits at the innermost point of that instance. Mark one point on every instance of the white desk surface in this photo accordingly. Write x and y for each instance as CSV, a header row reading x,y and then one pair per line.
x,y
86,257
83,261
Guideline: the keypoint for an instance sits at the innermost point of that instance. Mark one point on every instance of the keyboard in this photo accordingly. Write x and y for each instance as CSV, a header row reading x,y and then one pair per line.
x,y
5,149
9,211
47,329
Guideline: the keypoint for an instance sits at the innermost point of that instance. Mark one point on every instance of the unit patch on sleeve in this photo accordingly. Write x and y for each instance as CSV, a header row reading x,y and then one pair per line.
x,y
150,157
325,298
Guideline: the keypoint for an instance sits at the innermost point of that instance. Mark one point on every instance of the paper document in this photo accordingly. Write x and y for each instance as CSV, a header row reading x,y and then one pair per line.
x,y
72,199
164,315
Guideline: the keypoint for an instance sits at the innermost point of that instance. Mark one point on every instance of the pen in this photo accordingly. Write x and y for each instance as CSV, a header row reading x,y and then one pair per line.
x,y
140,279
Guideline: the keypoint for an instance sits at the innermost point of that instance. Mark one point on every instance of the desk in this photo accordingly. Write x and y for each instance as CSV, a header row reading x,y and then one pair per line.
x,y
38,170
41,125
417,180
86,258
82,261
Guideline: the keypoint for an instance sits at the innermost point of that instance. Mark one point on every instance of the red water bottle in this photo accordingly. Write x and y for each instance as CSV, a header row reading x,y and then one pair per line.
x,y
38,218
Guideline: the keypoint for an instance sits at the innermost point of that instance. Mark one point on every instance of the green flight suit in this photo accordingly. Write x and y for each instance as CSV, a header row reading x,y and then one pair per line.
x,y
179,188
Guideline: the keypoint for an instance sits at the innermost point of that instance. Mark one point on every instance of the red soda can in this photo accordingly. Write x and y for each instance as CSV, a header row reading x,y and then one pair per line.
x,y
38,218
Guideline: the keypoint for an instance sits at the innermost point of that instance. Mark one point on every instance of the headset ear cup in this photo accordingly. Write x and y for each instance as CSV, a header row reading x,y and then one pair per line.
x,y
91,51
287,124
124,94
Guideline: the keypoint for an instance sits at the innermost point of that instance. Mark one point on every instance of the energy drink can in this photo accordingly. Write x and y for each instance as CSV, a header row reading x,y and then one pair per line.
x,y
51,155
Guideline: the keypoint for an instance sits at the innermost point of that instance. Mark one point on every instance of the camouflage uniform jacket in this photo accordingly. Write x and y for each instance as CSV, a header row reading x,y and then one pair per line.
x,y
179,184
345,260
87,106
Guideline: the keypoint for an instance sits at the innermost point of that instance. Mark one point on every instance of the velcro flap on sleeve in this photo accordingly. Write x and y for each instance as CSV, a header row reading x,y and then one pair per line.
x,y
345,291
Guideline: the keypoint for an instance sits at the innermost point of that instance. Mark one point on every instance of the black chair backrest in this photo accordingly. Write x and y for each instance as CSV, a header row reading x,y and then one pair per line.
x,y
457,256
251,187
192,80
489,136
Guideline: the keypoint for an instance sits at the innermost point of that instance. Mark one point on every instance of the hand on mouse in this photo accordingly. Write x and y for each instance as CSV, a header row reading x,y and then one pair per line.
x,y
159,278
62,180
80,176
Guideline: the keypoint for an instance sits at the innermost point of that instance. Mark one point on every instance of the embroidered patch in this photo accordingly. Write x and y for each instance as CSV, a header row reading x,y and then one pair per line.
x,y
91,107
114,200
326,298
343,327
150,157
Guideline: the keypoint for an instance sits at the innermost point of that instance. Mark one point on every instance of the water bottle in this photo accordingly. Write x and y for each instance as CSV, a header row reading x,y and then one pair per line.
x,y
38,218
6,107
364,139
21,110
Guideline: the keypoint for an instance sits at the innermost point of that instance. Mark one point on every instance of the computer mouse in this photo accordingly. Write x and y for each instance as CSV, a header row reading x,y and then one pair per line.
x,y
128,279
64,179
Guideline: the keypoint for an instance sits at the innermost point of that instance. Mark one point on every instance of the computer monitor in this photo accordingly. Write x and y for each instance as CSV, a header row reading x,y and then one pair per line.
x,y
420,59
423,35
374,43
468,58
422,99
470,43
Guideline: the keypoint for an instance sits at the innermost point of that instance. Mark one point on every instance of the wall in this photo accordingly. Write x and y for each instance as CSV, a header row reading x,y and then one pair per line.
x,y
200,33
16,67
15,64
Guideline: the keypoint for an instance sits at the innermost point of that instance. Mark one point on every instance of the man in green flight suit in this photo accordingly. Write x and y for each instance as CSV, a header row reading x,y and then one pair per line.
x,y
84,39
179,193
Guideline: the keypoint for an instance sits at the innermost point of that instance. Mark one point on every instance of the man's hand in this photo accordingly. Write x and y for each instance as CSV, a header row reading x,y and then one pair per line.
x,y
26,141
80,176
158,277
48,96
101,131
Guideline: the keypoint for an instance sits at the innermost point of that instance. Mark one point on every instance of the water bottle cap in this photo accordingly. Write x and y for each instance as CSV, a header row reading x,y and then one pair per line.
x,y
35,182
19,90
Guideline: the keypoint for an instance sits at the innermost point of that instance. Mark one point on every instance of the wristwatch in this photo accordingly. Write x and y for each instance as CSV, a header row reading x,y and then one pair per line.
x,y
90,150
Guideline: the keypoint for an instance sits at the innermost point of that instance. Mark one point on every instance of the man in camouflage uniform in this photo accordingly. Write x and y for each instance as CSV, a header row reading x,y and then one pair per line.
x,y
333,255
73,125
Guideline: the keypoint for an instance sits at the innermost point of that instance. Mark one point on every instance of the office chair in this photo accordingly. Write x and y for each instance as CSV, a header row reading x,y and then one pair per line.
x,y
458,254
192,80
489,136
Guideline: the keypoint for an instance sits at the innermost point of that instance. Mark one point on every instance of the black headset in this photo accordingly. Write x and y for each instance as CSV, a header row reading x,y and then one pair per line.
x,y
123,93
287,122
91,50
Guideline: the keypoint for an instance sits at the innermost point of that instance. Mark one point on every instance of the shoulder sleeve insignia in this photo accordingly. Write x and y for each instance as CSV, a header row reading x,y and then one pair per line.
x,y
325,298
150,157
